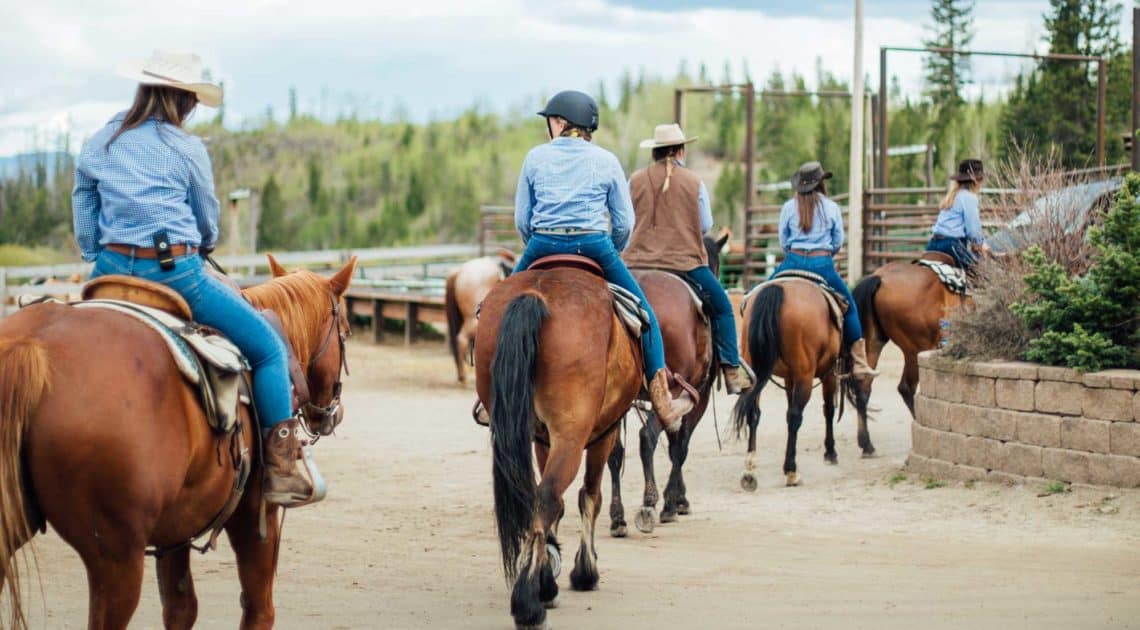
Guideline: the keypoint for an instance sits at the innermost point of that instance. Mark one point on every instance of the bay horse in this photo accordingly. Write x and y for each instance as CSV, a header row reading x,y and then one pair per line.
x,y
788,332
904,303
99,424
465,288
558,369
689,351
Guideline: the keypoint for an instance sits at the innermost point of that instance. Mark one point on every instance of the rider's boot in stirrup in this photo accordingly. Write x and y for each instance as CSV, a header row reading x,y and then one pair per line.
x,y
669,410
291,476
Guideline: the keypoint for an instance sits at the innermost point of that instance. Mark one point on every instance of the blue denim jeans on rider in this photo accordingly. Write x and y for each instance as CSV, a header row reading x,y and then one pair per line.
x,y
825,266
723,324
216,305
600,249
956,248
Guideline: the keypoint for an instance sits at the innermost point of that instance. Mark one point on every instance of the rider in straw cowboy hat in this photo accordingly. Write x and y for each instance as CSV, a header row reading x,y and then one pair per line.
x,y
673,212
572,198
142,184
811,233
959,223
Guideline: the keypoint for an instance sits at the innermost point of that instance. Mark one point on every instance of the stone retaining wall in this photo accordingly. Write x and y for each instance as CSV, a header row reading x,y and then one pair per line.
x,y
1008,421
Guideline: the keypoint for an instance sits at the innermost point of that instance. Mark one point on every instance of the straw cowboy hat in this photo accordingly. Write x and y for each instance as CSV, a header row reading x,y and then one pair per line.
x,y
666,136
179,70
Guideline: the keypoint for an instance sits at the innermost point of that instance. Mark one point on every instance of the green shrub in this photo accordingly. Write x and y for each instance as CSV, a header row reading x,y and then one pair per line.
x,y
1090,322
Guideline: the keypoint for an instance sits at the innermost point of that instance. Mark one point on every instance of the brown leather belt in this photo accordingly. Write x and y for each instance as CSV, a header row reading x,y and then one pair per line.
x,y
812,253
150,252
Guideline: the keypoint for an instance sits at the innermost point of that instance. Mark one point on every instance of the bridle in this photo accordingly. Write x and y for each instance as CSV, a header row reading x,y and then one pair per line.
x,y
328,417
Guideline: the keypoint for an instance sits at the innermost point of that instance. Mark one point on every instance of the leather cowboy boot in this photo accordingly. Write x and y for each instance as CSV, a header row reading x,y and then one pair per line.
x,y
736,379
669,410
860,367
291,477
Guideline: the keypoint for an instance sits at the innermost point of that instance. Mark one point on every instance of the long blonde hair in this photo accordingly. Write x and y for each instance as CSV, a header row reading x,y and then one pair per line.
x,y
955,188
806,204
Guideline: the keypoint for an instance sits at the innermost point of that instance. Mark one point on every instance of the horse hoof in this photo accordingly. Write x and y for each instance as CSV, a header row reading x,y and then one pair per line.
x,y
668,516
683,508
831,459
645,519
545,625
793,479
618,531
748,482
551,604
869,454
555,559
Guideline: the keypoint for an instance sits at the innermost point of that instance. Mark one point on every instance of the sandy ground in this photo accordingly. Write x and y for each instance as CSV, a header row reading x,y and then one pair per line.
x,y
406,537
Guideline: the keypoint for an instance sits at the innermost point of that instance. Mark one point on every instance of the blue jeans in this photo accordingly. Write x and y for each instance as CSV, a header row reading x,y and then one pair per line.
x,y
217,306
825,266
723,323
956,248
600,249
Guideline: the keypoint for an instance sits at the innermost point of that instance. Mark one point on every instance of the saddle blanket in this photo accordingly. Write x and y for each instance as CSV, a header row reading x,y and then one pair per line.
x,y
836,303
952,277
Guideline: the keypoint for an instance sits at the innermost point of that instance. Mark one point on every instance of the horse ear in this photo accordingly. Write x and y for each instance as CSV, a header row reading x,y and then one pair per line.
x,y
506,254
340,281
723,244
275,267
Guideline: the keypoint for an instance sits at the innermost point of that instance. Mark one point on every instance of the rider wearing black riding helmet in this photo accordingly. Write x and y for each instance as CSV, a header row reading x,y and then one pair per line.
x,y
572,198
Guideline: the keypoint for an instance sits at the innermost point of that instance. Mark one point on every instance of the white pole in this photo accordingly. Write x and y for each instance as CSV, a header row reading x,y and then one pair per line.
x,y
855,202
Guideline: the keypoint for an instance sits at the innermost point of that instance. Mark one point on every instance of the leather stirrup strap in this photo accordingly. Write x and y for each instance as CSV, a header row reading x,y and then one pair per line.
x,y
680,380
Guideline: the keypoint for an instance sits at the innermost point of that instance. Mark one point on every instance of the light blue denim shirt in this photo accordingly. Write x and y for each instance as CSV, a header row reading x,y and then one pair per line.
x,y
571,183
153,177
826,227
962,219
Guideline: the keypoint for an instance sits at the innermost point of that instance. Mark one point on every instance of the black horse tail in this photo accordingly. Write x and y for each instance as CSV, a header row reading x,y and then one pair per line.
x,y
454,317
512,423
764,348
864,295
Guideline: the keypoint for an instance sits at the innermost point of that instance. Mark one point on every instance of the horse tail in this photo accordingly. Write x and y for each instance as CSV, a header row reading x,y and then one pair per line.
x,y
454,317
764,348
512,423
864,295
24,375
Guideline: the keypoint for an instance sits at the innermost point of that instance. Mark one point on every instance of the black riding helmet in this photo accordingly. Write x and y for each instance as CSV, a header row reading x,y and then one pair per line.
x,y
578,108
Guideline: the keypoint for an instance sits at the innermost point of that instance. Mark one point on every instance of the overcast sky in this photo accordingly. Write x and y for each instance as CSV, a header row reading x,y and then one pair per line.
x,y
431,58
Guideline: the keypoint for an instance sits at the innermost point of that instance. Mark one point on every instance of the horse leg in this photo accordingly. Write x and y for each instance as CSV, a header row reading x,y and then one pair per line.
x,y
584,577
830,388
176,590
675,502
647,516
256,558
908,384
748,479
463,341
618,527
798,395
114,584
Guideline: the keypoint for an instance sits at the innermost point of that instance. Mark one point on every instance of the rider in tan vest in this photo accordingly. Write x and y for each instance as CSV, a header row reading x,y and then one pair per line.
x,y
673,213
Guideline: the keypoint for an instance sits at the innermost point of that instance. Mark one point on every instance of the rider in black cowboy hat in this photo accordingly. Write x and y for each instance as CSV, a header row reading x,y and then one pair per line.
x,y
959,224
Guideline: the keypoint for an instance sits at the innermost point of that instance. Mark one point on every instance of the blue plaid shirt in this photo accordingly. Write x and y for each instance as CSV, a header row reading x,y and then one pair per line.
x,y
153,177
571,183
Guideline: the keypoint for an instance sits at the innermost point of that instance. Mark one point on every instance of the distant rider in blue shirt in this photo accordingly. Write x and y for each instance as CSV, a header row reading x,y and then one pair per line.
x,y
573,198
143,180
811,233
959,224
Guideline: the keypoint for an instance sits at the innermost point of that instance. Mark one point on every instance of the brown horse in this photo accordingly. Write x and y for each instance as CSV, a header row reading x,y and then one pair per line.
x,y
788,332
903,302
98,423
558,369
465,289
688,351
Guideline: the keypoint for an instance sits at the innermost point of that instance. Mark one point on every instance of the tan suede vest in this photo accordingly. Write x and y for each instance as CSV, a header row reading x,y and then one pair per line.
x,y
667,233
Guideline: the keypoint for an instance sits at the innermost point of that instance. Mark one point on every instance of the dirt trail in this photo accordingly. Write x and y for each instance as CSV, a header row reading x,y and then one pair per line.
x,y
406,537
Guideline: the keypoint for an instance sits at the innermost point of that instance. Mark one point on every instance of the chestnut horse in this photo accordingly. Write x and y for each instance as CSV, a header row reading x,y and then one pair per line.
x,y
788,332
97,420
465,289
558,369
688,351
903,302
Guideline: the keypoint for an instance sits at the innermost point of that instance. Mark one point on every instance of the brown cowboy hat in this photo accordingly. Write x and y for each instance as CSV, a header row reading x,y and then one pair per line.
x,y
809,176
970,170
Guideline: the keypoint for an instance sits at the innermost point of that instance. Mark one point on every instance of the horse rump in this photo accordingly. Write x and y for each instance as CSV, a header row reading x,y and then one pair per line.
x,y
764,350
864,295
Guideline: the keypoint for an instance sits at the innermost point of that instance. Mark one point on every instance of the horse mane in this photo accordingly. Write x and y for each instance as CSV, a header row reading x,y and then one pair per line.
x,y
301,300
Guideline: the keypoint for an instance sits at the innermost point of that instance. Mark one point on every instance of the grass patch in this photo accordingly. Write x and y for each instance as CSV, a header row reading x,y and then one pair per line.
x,y
930,483
970,483
1055,487
22,256
896,479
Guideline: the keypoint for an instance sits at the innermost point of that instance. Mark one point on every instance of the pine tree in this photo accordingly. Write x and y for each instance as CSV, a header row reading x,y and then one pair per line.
x,y
947,73
271,230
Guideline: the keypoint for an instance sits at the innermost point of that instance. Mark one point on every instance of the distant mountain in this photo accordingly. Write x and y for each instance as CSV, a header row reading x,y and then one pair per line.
x,y
11,165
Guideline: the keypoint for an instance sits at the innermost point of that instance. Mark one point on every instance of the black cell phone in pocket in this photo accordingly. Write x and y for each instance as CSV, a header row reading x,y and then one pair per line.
x,y
162,250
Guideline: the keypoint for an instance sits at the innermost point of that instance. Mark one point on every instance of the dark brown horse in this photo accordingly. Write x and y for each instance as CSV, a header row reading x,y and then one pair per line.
x,y
903,302
98,421
465,289
788,332
688,351
558,369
